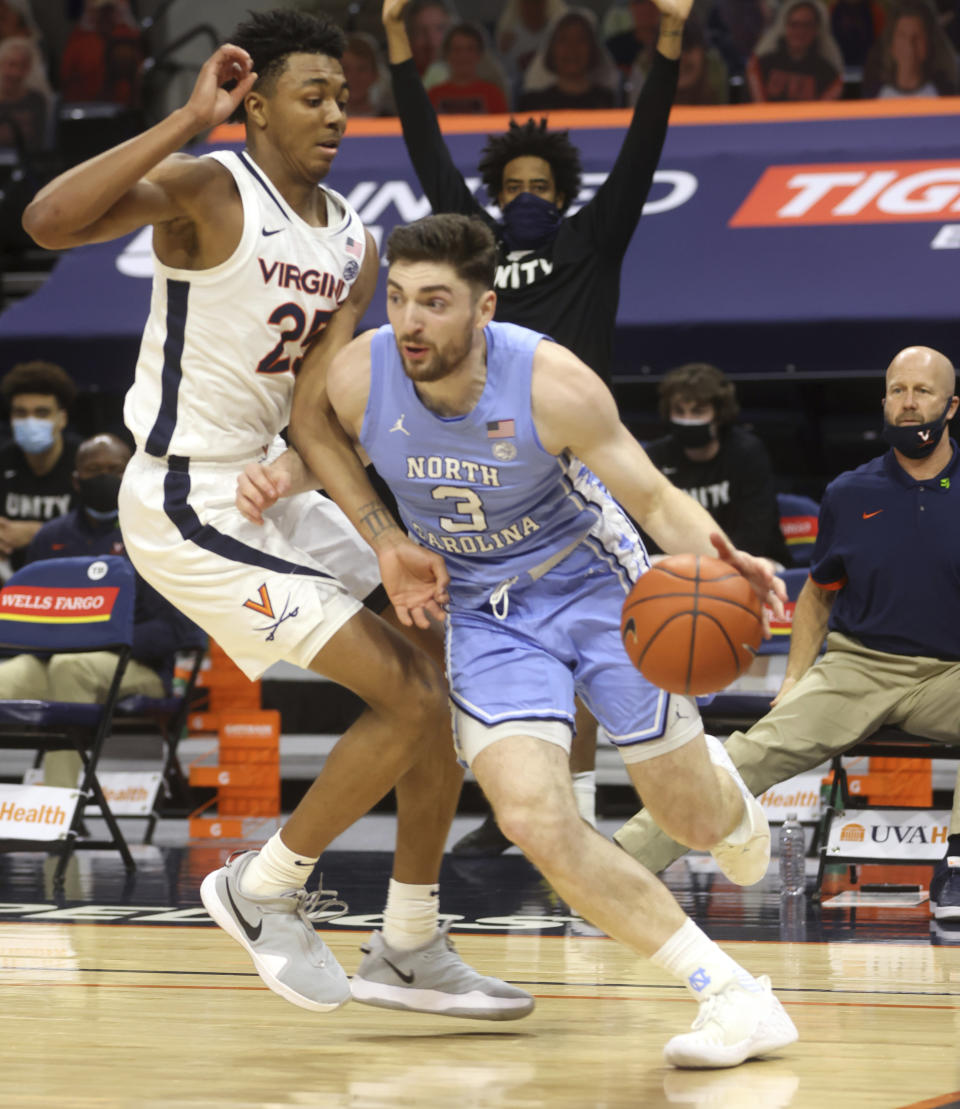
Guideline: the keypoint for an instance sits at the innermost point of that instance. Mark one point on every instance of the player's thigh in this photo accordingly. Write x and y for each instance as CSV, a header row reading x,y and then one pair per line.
x,y
382,666
930,708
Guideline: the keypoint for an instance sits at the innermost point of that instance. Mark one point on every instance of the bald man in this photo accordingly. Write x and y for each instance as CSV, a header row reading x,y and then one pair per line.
x,y
159,629
883,591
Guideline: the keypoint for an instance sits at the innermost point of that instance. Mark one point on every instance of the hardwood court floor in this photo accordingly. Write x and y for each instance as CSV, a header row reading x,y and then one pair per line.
x,y
126,997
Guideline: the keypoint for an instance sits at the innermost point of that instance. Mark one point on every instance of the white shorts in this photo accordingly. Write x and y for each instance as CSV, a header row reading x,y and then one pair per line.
x,y
264,593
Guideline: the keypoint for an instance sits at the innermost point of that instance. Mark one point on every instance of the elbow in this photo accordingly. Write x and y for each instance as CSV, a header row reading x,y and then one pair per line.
x,y
40,221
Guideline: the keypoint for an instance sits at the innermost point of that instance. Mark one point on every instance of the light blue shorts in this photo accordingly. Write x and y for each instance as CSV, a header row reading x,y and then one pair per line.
x,y
560,637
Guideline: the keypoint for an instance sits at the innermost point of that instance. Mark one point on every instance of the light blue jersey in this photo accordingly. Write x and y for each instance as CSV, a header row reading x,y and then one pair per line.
x,y
480,488
540,555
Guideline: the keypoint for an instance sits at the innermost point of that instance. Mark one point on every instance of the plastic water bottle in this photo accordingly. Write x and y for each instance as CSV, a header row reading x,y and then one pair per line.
x,y
793,851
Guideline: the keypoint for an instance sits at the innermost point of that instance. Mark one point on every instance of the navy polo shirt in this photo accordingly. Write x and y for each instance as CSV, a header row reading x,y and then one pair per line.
x,y
890,546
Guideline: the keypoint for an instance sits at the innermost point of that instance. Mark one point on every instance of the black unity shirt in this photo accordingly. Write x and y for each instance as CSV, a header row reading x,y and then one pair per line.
x,y
25,495
736,487
570,288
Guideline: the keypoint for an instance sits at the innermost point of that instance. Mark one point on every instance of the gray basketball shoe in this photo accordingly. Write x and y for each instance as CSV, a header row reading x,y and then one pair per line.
x,y
433,979
278,934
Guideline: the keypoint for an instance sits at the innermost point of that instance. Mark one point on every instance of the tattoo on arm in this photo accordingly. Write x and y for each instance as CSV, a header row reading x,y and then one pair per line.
x,y
376,519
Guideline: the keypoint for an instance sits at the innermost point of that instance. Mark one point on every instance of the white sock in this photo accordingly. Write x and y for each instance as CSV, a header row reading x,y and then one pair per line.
x,y
585,792
412,915
276,869
693,958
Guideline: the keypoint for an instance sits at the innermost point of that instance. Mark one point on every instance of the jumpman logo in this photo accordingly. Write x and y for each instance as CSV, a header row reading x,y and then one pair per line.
x,y
398,426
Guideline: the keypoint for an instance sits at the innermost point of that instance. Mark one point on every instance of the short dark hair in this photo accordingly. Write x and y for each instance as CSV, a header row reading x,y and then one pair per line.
x,y
464,242
465,30
532,139
704,384
271,37
39,377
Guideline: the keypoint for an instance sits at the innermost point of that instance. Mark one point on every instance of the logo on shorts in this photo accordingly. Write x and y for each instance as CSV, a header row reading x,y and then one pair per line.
x,y
265,607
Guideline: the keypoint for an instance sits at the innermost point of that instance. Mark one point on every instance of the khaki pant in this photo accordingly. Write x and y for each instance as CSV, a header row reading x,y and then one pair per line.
x,y
843,698
83,678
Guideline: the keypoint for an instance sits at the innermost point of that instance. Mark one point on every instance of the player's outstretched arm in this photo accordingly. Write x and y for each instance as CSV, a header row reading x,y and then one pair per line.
x,y
136,183
575,411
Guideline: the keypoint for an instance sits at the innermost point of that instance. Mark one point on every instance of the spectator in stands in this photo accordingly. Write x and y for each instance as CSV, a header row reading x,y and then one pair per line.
x,y
856,25
427,24
364,71
103,55
36,469
797,59
735,26
16,20
721,464
914,56
521,29
702,78
572,69
25,96
464,93
639,43
883,590
159,629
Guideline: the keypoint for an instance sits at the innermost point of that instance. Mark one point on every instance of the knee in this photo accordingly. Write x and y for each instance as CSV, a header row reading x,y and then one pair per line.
x,y
703,830
543,833
418,693
75,677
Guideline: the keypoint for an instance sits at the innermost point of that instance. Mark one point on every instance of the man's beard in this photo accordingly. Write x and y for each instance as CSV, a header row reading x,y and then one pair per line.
x,y
443,362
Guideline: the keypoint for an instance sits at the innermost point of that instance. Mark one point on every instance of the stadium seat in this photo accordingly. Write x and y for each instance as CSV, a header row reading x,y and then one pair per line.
x,y
798,523
66,605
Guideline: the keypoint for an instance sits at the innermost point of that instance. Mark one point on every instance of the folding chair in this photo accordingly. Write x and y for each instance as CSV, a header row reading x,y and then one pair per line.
x,y
68,605
167,716
799,521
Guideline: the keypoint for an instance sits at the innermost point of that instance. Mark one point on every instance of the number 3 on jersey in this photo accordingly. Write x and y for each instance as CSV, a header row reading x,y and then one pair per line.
x,y
278,361
466,503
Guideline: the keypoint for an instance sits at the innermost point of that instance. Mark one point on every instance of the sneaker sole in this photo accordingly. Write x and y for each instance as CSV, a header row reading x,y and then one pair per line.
x,y
476,1006
775,1032
221,916
945,912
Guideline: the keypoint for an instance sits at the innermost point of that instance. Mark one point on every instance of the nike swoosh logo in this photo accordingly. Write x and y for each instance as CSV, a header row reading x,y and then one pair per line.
x,y
253,934
296,862
868,515
402,975
266,234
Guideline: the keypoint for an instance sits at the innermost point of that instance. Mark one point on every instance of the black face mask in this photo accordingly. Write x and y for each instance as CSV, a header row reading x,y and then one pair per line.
x,y
916,440
529,221
693,434
99,495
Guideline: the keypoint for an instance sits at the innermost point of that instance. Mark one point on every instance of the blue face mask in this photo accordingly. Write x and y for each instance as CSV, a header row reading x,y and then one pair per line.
x,y
529,221
33,435
916,440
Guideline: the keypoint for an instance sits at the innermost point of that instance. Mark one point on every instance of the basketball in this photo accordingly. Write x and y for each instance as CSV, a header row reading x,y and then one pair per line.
x,y
691,624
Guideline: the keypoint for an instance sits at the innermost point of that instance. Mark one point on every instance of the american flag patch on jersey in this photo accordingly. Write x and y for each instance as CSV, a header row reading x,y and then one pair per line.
x,y
500,429
353,247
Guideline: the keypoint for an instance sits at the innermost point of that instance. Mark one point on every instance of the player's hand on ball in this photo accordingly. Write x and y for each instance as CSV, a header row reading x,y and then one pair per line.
x,y
415,580
259,487
761,575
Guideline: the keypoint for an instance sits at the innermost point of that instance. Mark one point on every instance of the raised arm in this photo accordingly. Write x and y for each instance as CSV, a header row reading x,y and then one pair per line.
x,y
138,182
612,215
439,178
573,410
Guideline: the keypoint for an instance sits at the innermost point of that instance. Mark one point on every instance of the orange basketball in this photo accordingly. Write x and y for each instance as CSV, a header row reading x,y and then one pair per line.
x,y
691,624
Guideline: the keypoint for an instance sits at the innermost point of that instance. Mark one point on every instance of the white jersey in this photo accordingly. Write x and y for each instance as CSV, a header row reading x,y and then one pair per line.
x,y
222,346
